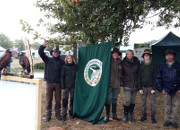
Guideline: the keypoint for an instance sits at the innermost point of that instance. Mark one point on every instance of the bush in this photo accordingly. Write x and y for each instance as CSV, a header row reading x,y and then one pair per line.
x,y
39,66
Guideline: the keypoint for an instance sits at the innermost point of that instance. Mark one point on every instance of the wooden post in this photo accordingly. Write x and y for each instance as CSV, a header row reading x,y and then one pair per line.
x,y
38,104
38,82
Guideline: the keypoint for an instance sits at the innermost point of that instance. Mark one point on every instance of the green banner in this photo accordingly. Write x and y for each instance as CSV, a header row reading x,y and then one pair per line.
x,y
92,81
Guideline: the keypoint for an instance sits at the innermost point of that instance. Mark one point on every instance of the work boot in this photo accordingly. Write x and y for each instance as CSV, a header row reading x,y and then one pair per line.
x,y
126,111
175,125
106,118
114,105
131,110
167,123
153,120
143,119
71,114
48,116
58,115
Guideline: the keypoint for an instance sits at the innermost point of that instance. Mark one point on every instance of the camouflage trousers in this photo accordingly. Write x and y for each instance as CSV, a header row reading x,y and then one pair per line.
x,y
171,107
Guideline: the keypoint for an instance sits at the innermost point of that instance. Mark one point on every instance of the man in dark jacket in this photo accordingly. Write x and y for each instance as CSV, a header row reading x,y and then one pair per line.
x,y
114,85
168,83
147,85
130,68
53,77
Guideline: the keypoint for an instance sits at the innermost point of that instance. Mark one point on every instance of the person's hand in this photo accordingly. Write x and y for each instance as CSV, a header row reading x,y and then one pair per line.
x,y
63,90
164,92
153,91
179,91
141,91
45,43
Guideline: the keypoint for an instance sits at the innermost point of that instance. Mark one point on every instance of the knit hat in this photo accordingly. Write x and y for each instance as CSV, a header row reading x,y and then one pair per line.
x,y
169,51
147,51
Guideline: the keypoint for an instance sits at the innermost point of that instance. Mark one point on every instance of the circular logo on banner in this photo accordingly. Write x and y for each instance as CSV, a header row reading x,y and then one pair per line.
x,y
93,71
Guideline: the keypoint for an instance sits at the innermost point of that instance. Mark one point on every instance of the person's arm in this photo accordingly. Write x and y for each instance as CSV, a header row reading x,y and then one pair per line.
x,y
41,51
63,78
179,78
155,70
136,76
159,80
139,79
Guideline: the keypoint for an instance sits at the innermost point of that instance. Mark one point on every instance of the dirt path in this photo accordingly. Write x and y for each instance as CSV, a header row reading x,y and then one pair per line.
x,y
77,124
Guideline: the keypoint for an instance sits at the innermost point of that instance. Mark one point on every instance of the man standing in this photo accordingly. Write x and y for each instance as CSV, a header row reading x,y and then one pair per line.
x,y
114,86
147,85
130,69
53,77
168,83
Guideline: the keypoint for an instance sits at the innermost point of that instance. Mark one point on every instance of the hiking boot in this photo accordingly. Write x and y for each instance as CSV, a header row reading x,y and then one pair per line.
x,y
175,125
153,120
167,123
143,119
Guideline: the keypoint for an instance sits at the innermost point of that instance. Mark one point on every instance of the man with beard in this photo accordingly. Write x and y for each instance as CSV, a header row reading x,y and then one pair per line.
x,y
168,83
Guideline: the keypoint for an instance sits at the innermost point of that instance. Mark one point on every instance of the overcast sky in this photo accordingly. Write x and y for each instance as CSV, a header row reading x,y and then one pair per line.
x,y
12,11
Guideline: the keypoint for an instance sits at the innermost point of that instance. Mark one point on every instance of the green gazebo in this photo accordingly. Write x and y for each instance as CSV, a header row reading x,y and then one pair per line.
x,y
169,41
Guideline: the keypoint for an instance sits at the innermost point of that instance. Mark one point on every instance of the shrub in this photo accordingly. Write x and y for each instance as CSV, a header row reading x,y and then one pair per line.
x,y
39,66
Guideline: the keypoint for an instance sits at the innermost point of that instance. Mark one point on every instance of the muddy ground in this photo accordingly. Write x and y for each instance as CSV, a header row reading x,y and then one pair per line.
x,y
77,124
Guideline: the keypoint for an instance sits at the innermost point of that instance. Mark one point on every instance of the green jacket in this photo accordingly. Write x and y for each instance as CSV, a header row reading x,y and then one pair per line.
x,y
147,76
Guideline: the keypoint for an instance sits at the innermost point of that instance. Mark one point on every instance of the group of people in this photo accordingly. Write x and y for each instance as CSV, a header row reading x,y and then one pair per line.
x,y
128,73
146,78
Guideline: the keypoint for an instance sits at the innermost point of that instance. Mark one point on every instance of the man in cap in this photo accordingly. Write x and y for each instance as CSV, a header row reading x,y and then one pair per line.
x,y
147,85
114,85
53,77
168,83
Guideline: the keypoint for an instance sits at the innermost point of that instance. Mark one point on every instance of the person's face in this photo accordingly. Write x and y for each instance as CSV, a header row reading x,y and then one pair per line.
x,y
69,60
147,57
55,53
169,57
129,55
115,55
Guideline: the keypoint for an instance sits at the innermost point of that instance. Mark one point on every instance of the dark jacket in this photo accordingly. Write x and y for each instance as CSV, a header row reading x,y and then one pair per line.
x,y
130,73
116,73
147,76
68,75
168,78
53,67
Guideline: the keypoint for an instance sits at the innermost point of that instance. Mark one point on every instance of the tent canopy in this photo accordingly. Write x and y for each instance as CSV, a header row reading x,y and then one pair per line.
x,y
170,41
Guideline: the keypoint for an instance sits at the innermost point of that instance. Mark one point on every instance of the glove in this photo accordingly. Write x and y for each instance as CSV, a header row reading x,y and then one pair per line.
x,y
141,91
153,91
